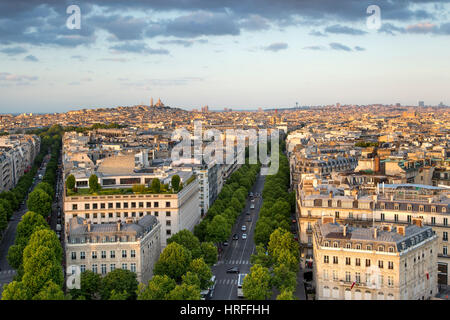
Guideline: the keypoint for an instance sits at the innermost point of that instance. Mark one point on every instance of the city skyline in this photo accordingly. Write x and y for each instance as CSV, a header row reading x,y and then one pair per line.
x,y
237,56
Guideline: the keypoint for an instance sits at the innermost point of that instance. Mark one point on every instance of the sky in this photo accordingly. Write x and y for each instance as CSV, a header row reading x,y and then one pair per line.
x,y
242,54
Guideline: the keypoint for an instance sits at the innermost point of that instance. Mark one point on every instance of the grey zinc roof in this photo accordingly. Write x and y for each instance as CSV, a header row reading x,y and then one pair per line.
x,y
413,234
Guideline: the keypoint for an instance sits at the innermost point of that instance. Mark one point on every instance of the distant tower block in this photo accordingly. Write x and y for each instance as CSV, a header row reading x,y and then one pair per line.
x,y
151,102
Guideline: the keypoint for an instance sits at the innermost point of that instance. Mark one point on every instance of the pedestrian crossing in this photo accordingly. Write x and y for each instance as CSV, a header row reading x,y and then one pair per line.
x,y
233,262
7,272
227,282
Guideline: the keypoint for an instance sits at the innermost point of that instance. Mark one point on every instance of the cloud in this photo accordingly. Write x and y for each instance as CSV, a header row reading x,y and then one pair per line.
x,y
421,28
340,29
12,51
31,58
78,57
276,46
339,46
315,48
180,42
9,77
137,48
255,23
317,34
358,48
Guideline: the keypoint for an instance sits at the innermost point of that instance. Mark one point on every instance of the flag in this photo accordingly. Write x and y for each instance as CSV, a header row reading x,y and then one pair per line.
x,y
352,285
428,276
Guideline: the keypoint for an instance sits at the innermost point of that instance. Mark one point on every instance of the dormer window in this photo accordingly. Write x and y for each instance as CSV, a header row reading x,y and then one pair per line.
x,y
358,246
409,207
369,247
348,245
335,244
421,208
326,244
391,249
433,209
381,248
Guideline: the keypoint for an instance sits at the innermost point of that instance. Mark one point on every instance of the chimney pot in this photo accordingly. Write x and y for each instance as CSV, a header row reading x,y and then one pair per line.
x,y
344,232
375,231
118,226
89,227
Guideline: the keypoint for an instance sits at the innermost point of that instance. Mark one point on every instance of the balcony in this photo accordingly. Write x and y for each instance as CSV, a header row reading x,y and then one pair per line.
x,y
309,230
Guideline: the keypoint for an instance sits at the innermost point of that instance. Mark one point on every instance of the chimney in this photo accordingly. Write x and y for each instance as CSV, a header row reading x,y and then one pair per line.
x,y
401,230
118,226
89,227
375,232
344,231
330,194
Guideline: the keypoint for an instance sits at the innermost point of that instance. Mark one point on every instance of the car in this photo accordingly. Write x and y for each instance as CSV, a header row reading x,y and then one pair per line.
x,y
225,243
244,236
294,221
247,213
233,270
249,219
58,221
244,228
235,237
251,194
252,206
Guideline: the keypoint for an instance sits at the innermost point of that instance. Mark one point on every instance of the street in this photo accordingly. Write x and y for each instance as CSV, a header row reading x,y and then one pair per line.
x,y
6,271
238,252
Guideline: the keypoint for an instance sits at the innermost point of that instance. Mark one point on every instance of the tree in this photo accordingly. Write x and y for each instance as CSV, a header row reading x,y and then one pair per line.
x,y
208,252
117,295
283,278
71,182
286,295
157,289
39,268
218,230
156,185
50,291
176,182
173,261
288,259
256,284
261,257
94,186
184,292
90,284
15,291
202,270
7,207
119,280
188,240
47,188
46,238
190,278
11,197
40,202
263,230
200,230
282,240
3,218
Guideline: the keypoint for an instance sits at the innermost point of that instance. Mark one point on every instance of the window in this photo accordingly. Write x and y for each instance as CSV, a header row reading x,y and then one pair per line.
x,y
445,221
444,250
167,204
83,268
167,222
133,267
326,244
149,204
102,206
74,207
112,254
367,278
156,213
390,281
445,236
133,204
103,267
409,207
348,261
391,265
125,205
94,206
74,255
335,244
86,206
391,249
94,268
325,274
367,262
335,275
382,217
141,204
325,259
433,220
409,218
357,262
336,214
103,254
167,213
380,248
396,217
117,205
358,277
358,246
380,264
124,266
433,209
112,267
110,205
396,206
335,260
156,205
168,232
94,254
87,215
110,215
82,255
133,253
369,247
124,253
348,245
347,276
381,280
